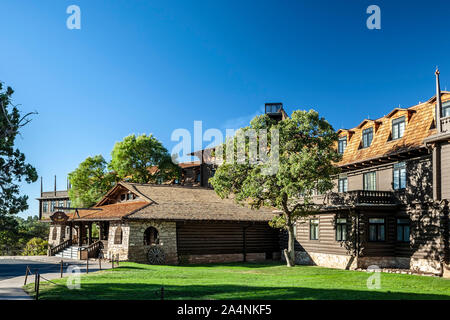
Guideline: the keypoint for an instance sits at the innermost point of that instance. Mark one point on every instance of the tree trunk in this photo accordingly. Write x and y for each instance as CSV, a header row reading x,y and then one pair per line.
x,y
289,254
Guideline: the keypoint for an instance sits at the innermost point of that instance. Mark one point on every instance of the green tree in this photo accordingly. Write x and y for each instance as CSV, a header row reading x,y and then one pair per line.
x,y
305,164
35,247
90,181
134,156
13,167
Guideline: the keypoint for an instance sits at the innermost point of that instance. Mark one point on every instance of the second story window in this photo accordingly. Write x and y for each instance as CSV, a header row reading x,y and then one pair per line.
x,y
343,184
45,206
446,109
60,204
342,144
370,181
68,203
52,206
399,176
398,128
367,137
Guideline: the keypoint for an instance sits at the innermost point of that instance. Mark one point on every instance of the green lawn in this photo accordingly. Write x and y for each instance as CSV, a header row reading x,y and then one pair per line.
x,y
243,281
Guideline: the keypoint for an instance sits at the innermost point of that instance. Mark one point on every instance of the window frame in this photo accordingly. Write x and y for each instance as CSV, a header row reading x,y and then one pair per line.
x,y
342,144
366,132
312,222
399,166
377,225
446,109
403,225
147,236
396,123
118,235
365,174
52,205
45,206
345,186
341,235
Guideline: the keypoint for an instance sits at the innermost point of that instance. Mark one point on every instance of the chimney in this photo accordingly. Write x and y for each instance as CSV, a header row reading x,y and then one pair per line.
x,y
438,102
41,186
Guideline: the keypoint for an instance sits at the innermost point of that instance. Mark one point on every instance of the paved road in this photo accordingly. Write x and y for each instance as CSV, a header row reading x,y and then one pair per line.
x,y
12,272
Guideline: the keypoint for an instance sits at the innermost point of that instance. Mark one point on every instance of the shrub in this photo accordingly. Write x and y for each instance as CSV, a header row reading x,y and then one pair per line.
x,y
35,247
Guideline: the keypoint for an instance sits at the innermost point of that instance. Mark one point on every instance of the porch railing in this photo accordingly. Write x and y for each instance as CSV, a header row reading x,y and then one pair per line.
x,y
93,249
60,247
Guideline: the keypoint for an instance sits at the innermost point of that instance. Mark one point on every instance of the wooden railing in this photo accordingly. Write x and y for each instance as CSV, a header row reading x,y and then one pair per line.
x,y
93,249
372,197
59,247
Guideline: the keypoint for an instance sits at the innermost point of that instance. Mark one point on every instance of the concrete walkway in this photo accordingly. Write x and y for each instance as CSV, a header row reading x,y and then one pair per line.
x,y
12,272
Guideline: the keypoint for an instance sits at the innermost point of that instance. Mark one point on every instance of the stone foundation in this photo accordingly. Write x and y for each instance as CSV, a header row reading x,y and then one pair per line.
x,y
325,260
345,262
223,258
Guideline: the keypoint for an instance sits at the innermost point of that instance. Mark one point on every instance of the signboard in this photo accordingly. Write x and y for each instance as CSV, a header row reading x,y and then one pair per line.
x,y
59,217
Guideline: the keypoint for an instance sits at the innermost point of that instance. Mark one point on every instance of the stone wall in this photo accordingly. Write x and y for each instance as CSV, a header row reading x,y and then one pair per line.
x,y
60,234
325,260
137,250
118,250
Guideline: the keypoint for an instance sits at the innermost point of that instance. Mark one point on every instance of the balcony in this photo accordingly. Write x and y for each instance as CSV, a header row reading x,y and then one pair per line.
x,y
445,124
357,198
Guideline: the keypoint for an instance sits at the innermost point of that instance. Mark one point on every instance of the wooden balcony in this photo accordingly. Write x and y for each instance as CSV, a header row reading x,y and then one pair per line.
x,y
445,124
357,198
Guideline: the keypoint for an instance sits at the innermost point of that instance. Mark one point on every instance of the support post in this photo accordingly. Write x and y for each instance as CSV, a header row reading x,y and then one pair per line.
x,y
90,233
61,268
26,275
87,264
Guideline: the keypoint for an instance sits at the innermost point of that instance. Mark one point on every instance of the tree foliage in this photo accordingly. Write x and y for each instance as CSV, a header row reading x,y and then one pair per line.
x,y
305,165
13,167
133,157
35,247
90,181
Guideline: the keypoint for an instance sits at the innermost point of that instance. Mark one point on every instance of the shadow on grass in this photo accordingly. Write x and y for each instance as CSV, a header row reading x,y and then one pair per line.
x,y
139,291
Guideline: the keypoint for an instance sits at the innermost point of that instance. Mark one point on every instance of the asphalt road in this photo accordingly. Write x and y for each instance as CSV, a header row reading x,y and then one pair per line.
x,y
11,268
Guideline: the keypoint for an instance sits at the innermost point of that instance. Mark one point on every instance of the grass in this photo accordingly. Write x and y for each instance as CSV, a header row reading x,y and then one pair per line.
x,y
242,281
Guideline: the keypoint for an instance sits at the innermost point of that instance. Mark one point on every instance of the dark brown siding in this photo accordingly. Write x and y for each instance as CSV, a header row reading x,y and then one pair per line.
x,y
217,238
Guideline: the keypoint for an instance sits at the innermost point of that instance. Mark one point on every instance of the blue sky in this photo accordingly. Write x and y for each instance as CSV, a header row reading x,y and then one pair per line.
x,y
155,66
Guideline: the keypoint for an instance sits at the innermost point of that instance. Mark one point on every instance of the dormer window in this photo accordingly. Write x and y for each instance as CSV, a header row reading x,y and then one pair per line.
x,y
367,137
398,128
342,144
446,109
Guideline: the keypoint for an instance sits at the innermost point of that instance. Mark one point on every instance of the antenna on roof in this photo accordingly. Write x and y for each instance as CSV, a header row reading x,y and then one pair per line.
x,y
55,184
41,186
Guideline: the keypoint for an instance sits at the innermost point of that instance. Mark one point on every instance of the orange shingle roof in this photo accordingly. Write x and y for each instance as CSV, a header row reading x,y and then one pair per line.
x,y
419,121
110,211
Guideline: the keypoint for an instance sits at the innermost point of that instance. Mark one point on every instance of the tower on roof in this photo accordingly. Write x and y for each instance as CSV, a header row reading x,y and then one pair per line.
x,y
275,111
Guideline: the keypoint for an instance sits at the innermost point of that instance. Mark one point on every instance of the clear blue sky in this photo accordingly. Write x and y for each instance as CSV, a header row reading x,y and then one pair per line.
x,y
154,66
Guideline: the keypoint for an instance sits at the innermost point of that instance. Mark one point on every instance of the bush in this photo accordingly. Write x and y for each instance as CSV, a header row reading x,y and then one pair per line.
x,y
35,247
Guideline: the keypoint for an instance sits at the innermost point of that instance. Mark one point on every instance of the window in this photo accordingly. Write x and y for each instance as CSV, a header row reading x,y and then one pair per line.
x,y
370,181
118,235
54,233
52,206
314,229
151,236
61,204
398,128
129,196
399,176
123,197
367,137
342,144
376,229
69,204
446,109
343,184
341,229
45,206
403,230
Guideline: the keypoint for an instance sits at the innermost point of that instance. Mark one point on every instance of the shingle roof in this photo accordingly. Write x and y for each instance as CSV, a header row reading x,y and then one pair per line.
x,y
419,125
109,211
168,202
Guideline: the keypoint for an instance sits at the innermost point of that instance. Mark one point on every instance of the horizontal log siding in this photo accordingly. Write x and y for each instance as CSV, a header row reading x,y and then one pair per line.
x,y
221,238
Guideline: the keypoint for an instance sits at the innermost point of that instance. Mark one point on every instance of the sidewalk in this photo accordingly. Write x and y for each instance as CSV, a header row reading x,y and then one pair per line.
x,y
49,268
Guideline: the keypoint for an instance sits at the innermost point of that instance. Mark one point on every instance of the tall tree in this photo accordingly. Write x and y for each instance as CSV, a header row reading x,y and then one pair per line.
x,y
307,153
13,167
133,157
90,181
